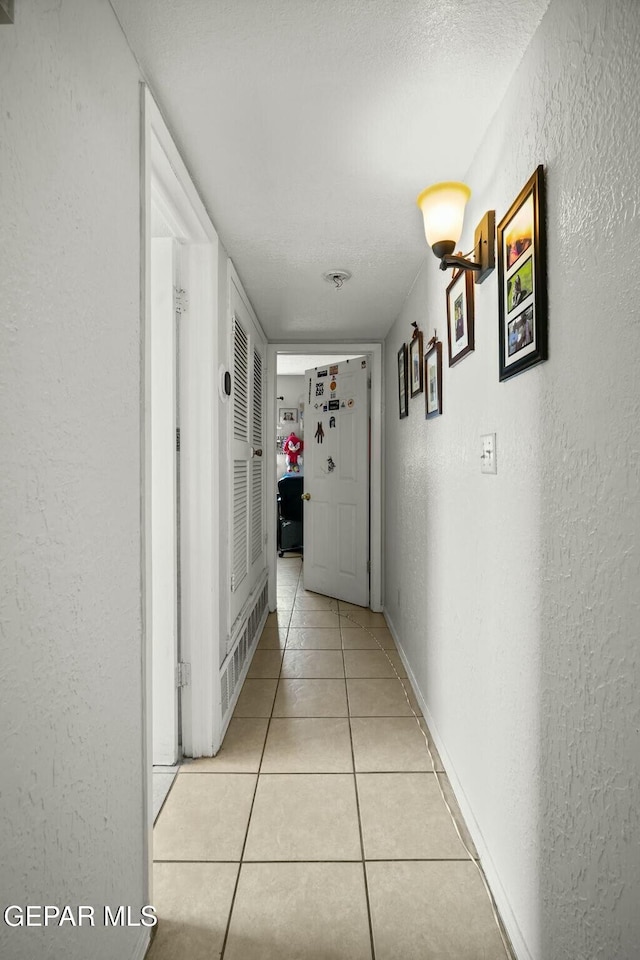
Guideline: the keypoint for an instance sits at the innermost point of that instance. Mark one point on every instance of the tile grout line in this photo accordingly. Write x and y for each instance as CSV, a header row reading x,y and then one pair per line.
x,y
253,800
355,787
302,773
370,860
162,806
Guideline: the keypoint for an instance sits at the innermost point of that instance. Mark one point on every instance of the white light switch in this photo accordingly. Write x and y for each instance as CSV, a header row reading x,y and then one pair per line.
x,y
488,462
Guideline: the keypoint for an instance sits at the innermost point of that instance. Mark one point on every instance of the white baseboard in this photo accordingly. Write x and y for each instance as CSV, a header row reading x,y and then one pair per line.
x,y
520,948
142,946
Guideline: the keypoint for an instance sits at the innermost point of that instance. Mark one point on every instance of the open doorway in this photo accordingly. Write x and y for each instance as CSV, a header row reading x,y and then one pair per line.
x,y
180,555
164,507
291,414
296,428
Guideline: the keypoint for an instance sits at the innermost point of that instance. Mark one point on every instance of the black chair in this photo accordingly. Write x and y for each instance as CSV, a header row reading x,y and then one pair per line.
x,y
290,514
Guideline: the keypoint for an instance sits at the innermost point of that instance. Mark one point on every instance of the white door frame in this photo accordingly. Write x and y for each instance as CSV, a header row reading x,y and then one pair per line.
x,y
162,356
374,351
163,172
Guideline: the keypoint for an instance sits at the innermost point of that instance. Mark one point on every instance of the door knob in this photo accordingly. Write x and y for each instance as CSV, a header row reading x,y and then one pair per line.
x,y
255,453
306,496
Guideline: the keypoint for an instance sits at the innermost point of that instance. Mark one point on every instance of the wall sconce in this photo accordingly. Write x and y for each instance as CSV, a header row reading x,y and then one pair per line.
x,y
442,207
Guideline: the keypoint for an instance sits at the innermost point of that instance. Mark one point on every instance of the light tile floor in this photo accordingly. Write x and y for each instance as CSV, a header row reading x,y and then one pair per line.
x,y
163,778
318,832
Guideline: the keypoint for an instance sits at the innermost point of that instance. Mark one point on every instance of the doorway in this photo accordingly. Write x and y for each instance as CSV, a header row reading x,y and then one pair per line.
x,y
164,506
181,479
286,398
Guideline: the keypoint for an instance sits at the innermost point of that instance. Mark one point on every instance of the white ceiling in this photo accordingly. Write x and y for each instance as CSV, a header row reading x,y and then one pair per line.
x,y
309,127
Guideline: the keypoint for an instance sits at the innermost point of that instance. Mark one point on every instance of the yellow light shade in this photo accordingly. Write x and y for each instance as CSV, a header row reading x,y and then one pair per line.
x,y
442,207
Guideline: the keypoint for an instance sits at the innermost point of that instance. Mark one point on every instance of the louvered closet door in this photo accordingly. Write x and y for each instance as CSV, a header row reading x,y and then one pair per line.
x,y
247,481
256,531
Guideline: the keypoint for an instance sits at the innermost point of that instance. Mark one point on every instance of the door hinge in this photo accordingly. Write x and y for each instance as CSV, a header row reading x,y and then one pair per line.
x,y
233,582
178,439
368,566
181,299
183,674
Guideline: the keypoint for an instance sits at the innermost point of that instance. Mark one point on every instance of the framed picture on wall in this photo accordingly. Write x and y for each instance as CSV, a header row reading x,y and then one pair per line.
x,y
460,316
433,380
403,381
522,279
415,364
288,414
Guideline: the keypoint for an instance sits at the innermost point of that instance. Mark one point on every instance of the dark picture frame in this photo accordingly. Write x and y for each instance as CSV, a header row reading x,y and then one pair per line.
x,y
433,381
460,316
403,381
522,280
416,381
288,414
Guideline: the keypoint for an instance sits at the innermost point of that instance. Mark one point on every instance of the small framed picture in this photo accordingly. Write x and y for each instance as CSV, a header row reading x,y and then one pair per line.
x,y
460,316
288,414
522,274
403,381
415,365
433,380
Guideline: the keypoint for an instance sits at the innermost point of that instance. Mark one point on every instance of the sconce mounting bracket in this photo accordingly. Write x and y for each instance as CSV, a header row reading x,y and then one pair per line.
x,y
484,250
485,245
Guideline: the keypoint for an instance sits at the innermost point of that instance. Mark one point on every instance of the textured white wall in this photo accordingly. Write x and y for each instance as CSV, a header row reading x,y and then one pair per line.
x,y
71,802
519,603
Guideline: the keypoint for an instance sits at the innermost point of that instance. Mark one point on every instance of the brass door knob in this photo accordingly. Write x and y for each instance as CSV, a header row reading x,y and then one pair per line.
x,y
306,496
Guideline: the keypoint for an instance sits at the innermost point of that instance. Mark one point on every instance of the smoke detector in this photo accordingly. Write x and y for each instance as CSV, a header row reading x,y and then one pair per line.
x,y
337,277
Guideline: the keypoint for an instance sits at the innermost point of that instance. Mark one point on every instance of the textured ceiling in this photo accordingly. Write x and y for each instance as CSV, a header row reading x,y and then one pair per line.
x,y
309,127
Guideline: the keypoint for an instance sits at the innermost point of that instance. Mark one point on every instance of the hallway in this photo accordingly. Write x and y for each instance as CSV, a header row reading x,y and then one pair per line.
x,y
260,851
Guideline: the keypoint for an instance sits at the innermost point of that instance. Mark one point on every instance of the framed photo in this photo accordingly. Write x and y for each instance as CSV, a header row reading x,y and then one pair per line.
x,y
460,326
403,381
415,365
288,414
433,380
522,279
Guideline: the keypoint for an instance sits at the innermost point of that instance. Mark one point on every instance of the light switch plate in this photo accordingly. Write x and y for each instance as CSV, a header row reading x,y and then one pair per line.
x,y
488,461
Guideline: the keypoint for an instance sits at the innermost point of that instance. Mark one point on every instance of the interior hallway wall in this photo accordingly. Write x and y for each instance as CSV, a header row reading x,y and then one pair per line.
x,y
515,596
71,805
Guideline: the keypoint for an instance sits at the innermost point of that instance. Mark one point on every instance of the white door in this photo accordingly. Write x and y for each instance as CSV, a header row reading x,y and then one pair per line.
x,y
164,500
336,481
248,555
